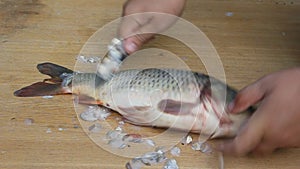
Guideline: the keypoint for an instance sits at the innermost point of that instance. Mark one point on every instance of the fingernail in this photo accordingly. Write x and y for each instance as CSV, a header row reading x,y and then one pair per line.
x,y
131,47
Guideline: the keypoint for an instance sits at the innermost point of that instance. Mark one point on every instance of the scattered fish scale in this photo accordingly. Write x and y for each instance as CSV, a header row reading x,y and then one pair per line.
x,y
28,121
134,165
47,97
119,128
175,151
113,134
171,164
95,128
86,59
121,123
117,143
149,142
202,147
118,139
48,130
134,138
94,113
153,158
186,140
147,159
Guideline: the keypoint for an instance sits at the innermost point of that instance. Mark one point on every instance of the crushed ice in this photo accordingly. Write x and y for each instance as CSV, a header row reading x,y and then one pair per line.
x,y
93,113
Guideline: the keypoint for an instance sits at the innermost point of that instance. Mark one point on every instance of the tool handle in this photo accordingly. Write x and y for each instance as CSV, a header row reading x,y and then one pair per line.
x,y
113,60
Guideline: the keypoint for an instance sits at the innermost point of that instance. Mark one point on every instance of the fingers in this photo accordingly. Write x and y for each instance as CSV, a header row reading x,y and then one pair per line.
x,y
248,137
137,29
133,43
263,148
247,97
132,30
144,18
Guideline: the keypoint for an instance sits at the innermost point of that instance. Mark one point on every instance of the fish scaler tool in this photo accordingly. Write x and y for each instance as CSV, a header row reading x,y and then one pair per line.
x,y
112,61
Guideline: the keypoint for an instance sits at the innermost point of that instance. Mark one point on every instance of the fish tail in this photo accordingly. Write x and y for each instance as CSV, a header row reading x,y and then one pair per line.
x,y
53,70
41,89
59,82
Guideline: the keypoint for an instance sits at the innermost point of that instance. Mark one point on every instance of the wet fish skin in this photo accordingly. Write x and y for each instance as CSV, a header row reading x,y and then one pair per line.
x,y
166,98
148,97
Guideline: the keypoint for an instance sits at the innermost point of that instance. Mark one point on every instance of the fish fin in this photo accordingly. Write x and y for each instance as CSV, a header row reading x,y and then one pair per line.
x,y
52,86
175,107
84,99
53,70
135,114
41,89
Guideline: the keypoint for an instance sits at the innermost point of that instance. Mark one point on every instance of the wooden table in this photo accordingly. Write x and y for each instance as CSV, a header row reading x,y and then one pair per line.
x,y
253,38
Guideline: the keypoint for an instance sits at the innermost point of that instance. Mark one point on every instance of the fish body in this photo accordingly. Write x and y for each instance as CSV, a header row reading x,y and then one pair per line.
x,y
179,99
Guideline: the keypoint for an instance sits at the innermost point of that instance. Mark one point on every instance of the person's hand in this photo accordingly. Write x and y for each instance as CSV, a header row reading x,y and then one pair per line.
x,y
137,28
276,122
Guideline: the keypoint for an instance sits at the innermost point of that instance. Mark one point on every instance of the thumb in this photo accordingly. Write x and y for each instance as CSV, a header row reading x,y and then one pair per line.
x,y
247,97
248,137
135,42
135,30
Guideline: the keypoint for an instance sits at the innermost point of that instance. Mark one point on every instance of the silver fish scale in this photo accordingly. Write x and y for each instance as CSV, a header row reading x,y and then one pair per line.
x,y
164,79
175,83
154,78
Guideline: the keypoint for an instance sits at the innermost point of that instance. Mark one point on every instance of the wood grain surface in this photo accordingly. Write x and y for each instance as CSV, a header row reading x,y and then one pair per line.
x,y
252,37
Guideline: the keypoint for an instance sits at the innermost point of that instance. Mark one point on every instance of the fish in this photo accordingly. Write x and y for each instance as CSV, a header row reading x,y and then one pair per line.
x,y
165,98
